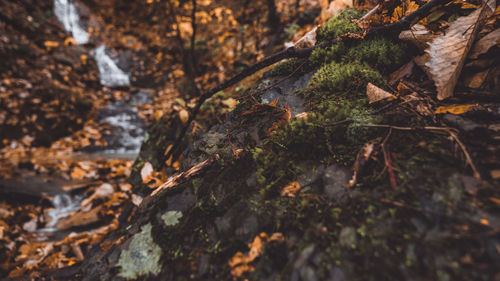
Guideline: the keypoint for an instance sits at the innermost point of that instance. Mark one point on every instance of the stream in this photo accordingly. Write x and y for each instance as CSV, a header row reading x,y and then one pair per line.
x,y
128,129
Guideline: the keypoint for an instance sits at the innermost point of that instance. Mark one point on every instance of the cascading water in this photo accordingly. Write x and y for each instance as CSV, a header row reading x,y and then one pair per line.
x,y
63,205
66,13
122,117
110,74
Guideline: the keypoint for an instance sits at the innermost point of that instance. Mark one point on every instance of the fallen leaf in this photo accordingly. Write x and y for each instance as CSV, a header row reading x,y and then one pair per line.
x,y
418,35
376,94
449,50
308,40
476,80
184,116
50,44
364,155
287,115
404,71
240,262
291,189
147,172
78,173
454,109
484,44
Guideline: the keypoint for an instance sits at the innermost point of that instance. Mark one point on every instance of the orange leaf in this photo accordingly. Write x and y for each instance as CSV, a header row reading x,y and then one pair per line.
x,y
454,109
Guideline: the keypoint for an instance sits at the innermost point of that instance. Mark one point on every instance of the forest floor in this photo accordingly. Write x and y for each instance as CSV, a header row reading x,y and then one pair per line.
x,y
67,185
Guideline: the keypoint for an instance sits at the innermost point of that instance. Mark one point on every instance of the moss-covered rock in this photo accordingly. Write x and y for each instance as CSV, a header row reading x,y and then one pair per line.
x,y
376,230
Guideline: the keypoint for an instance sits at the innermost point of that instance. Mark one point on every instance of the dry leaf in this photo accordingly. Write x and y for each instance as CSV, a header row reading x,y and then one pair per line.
x,y
308,40
404,71
476,80
147,172
291,189
287,115
240,262
449,51
454,109
418,35
376,94
184,116
364,154
484,44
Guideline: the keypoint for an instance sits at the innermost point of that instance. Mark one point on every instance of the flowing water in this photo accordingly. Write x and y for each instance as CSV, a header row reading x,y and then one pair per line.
x,y
123,118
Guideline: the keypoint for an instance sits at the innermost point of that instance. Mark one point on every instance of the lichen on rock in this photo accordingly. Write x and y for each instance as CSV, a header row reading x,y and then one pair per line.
x,y
171,218
142,257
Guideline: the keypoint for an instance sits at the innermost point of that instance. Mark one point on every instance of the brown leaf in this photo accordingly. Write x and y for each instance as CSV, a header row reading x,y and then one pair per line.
x,y
404,71
184,116
484,44
364,155
287,115
376,94
308,40
476,80
449,51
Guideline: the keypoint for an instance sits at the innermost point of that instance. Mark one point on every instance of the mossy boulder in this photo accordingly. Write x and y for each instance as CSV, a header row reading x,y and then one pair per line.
x,y
290,181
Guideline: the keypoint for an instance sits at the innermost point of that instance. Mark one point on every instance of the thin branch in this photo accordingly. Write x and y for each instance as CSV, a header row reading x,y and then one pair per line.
x,y
451,131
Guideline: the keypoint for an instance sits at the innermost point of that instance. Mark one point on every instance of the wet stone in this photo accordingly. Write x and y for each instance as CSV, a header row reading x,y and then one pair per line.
x,y
348,237
335,179
248,228
284,92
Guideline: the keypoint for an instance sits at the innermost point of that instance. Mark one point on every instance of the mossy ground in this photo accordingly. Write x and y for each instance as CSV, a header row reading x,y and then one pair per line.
x,y
424,227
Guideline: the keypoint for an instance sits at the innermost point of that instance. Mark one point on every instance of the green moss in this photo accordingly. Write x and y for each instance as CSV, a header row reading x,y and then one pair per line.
x,y
321,56
287,67
340,24
379,53
344,78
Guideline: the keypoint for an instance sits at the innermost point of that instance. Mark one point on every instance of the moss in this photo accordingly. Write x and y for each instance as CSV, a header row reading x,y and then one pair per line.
x,y
380,53
286,67
344,78
340,24
321,56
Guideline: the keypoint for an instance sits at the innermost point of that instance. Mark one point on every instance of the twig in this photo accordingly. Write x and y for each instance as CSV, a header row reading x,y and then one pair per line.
x,y
371,12
388,161
449,130
394,28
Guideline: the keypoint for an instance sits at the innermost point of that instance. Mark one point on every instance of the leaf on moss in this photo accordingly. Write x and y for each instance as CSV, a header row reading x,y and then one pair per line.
x,y
308,40
376,94
449,51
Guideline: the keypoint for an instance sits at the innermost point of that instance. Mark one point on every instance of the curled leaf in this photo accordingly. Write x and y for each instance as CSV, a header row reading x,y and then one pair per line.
x,y
449,51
